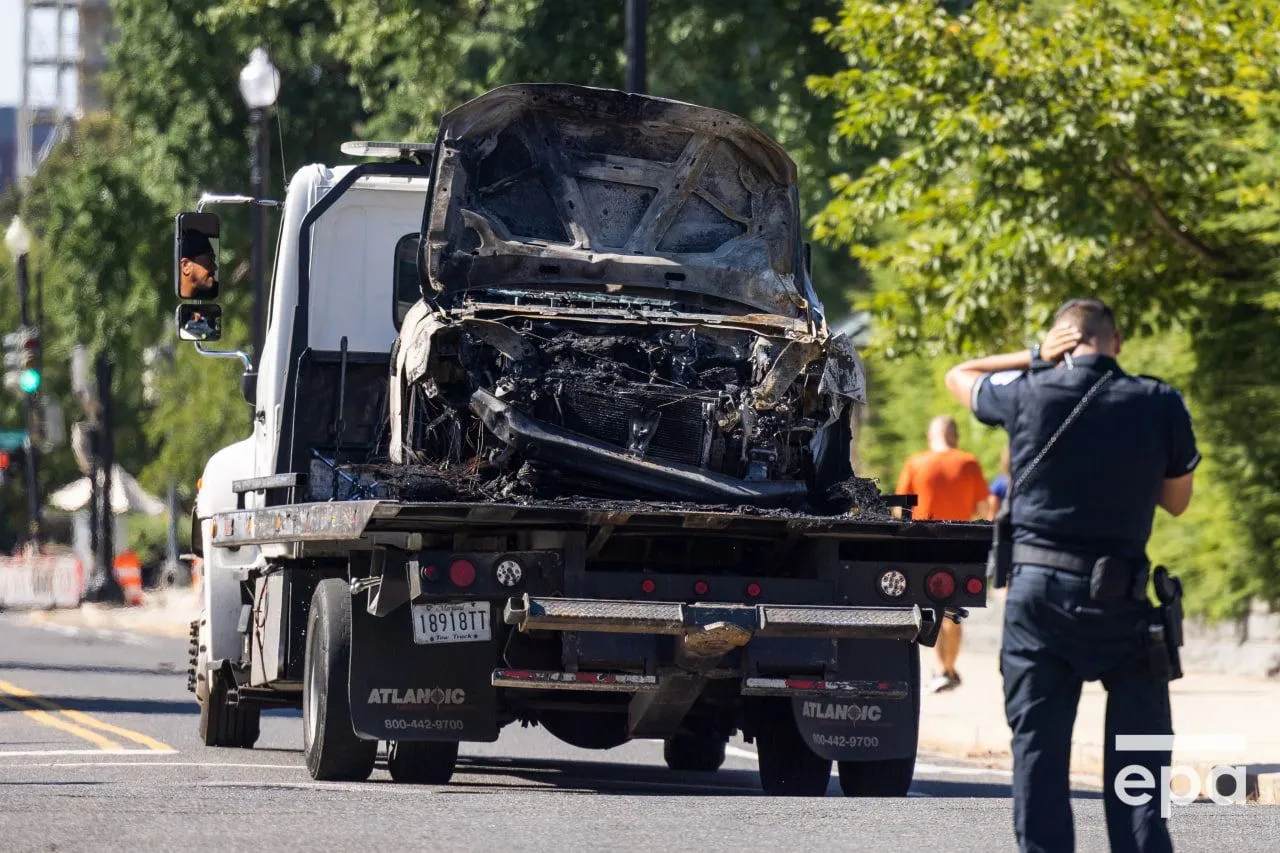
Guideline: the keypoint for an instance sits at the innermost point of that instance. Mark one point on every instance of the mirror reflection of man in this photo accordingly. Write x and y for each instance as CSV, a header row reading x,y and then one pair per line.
x,y
197,266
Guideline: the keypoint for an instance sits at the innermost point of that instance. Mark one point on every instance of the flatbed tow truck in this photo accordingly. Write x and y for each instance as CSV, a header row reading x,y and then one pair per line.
x,y
523,456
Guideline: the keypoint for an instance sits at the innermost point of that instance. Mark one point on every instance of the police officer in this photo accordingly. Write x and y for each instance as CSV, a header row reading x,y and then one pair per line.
x,y
1076,608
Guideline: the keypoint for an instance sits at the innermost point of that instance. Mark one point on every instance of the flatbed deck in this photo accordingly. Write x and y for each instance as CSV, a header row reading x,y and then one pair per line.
x,y
349,521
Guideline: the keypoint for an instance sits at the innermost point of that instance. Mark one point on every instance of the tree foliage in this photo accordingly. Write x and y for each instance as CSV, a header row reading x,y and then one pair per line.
x,y
1122,149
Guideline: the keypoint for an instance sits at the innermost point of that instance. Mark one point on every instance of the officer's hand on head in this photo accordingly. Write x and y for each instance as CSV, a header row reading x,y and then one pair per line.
x,y
1062,339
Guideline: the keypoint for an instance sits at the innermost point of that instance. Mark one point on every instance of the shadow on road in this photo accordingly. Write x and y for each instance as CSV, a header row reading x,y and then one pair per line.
x,y
108,705
606,778
158,669
636,780
955,790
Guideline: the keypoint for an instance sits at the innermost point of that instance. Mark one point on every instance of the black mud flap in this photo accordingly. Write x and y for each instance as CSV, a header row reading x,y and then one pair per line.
x,y
405,692
870,728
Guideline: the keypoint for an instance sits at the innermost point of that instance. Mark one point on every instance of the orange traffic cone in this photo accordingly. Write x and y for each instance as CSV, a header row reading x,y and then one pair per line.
x,y
128,571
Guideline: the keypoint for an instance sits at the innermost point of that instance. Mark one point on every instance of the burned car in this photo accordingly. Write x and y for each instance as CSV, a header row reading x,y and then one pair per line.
x,y
616,303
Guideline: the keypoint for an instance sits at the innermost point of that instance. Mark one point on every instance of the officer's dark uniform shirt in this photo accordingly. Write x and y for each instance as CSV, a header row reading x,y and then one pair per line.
x,y
1096,491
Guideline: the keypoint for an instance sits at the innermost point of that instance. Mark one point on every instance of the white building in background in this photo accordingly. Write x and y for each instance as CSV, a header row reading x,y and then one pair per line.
x,y
63,56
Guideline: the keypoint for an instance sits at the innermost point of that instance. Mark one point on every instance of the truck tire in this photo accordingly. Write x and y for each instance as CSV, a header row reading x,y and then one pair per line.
x,y
329,742
422,762
788,767
696,753
889,777
224,724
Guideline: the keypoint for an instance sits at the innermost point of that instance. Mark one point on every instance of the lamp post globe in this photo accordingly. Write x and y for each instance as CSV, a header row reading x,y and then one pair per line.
x,y
259,81
17,238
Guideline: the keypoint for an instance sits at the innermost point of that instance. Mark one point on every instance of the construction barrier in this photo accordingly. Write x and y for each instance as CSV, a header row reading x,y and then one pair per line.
x,y
128,570
41,581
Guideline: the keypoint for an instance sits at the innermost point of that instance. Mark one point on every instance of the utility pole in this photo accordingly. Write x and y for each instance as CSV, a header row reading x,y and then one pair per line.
x,y
111,590
637,47
102,585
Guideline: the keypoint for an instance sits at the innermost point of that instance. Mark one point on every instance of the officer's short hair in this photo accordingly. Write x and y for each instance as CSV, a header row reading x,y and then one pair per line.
x,y
1093,317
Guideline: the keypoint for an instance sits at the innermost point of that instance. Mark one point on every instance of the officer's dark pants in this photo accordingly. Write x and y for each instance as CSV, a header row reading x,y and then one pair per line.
x,y
1056,638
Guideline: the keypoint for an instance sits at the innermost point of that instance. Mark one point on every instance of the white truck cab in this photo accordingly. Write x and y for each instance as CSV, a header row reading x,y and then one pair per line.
x,y
345,275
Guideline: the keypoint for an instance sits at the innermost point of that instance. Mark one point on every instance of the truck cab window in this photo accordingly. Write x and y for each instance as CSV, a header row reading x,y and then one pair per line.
x,y
408,289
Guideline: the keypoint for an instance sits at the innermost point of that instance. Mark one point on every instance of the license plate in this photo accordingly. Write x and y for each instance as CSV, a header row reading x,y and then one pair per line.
x,y
451,623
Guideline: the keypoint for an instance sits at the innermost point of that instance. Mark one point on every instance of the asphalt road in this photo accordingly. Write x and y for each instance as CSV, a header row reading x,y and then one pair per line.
x,y
99,751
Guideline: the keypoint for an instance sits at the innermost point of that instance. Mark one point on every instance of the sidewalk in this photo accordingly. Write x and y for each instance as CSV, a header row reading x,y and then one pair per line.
x,y
969,721
168,613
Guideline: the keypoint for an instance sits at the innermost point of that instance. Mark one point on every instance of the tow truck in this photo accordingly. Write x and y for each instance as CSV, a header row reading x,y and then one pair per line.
x,y
550,429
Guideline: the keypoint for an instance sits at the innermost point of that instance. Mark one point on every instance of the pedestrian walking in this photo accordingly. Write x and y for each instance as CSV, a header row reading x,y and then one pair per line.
x,y
949,486
1094,451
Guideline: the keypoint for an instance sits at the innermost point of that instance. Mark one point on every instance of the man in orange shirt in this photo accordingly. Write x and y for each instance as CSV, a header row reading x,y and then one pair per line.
x,y
949,486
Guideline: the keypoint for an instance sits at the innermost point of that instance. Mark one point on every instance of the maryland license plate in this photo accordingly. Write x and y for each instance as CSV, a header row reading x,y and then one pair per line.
x,y
467,622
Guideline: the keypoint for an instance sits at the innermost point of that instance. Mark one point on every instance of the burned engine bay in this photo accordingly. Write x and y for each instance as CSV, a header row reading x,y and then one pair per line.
x,y
507,404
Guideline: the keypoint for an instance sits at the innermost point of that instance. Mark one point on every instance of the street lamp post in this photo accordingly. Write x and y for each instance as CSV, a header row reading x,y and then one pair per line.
x,y
18,240
637,45
259,86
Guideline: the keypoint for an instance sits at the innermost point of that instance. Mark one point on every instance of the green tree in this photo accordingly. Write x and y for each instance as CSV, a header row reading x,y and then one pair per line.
x,y
1036,151
104,204
413,60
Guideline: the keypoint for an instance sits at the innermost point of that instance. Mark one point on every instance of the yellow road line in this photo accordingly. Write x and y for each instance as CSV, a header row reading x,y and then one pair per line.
x,y
83,719
45,718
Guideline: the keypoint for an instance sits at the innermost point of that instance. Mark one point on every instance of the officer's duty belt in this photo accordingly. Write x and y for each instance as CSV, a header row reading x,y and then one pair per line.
x,y
1034,556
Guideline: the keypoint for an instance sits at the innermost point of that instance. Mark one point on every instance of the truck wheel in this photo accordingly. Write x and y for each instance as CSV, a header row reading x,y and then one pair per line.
x,y
329,742
697,753
422,762
885,778
788,767
224,724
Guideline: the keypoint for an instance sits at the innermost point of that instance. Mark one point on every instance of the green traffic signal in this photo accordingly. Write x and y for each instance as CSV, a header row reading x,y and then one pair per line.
x,y
29,381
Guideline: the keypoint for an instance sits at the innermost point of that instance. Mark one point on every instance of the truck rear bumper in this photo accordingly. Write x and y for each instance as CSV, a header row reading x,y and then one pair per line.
x,y
732,624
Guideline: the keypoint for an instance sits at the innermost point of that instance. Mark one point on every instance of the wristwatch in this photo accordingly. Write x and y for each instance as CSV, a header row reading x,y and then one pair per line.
x,y
1037,363
1035,353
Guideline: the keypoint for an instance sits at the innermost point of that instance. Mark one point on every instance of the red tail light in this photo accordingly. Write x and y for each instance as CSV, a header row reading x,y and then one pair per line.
x,y
701,588
753,590
940,585
974,585
430,573
647,586
462,573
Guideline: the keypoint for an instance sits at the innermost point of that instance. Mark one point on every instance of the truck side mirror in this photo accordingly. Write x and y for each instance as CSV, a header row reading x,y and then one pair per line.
x,y
195,255
197,322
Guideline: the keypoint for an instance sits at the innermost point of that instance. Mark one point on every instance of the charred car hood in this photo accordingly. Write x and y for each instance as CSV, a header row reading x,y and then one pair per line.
x,y
556,186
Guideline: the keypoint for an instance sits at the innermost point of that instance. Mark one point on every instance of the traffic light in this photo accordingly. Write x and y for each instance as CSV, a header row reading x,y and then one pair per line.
x,y
21,360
